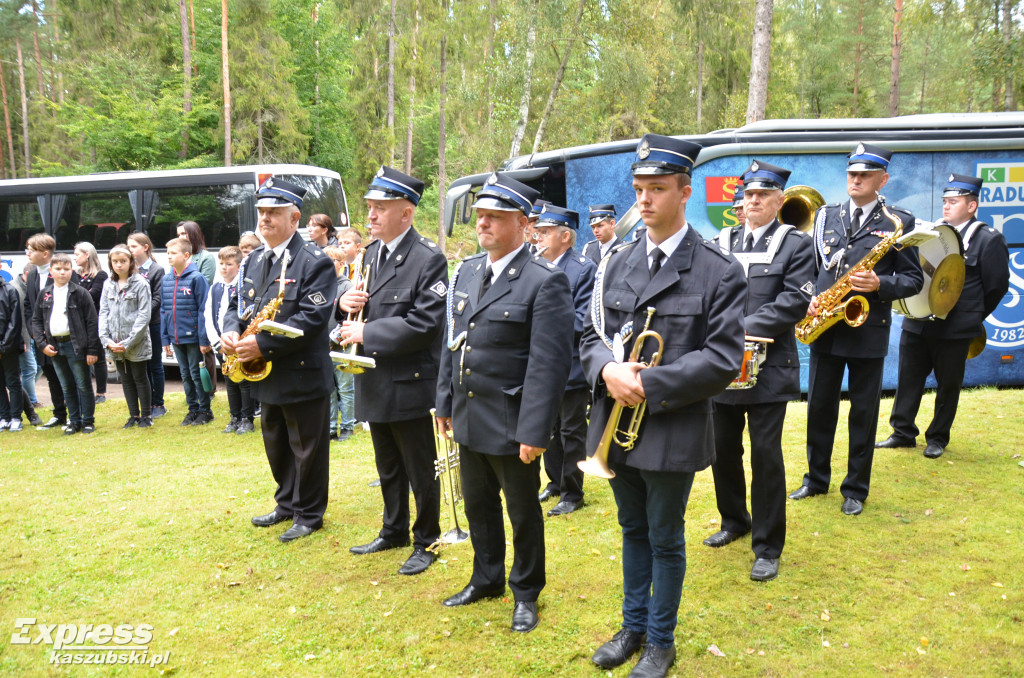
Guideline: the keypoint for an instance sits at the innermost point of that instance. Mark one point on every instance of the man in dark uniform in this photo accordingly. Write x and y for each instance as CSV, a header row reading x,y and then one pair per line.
x,y
696,293
941,345
530,236
499,391
844,234
737,203
779,262
602,222
403,318
295,395
556,230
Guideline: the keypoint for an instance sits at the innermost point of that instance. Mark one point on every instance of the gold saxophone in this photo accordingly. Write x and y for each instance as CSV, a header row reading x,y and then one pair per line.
x,y
854,310
256,369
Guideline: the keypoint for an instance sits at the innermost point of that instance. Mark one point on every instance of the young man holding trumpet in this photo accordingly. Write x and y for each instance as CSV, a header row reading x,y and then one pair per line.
x,y
696,294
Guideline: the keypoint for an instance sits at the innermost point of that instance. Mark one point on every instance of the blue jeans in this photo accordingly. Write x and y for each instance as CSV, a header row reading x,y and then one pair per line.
x,y
75,376
343,401
156,366
29,371
190,359
652,506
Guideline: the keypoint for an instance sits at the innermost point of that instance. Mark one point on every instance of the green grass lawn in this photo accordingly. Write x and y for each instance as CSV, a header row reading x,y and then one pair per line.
x,y
152,527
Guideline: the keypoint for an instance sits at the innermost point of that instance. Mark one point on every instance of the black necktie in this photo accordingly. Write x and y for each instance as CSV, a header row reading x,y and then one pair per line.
x,y
268,264
656,256
855,224
748,244
382,258
485,284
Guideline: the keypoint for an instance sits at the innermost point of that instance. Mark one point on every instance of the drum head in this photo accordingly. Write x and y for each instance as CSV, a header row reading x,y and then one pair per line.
x,y
946,285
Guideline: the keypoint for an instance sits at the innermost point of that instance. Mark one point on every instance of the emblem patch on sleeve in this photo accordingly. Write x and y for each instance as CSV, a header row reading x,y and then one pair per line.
x,y
439,288
317,298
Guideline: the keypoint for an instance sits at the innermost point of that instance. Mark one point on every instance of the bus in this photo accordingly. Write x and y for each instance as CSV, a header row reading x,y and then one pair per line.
x,y
927,149
104,209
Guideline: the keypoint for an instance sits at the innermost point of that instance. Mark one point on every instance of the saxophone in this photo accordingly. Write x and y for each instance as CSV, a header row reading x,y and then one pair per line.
x,y
256,369
854,310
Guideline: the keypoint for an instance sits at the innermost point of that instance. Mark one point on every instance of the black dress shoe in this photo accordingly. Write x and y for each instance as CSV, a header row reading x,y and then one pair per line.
x,y
765,569
524,616
852,507
895,441
933,451
420,560
723,537
471,594
655,662
803,492
619,649
565,506
297,532
377,545
548,493
272,518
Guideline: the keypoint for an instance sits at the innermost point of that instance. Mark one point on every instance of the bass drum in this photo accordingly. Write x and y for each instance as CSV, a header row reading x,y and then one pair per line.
x,y
942,260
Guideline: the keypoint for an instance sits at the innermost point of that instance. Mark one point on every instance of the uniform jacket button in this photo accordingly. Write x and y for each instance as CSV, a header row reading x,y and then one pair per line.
x,y
664,403
416,375
302,363
469,395
468,371
468,349
506,314
472,326
374,353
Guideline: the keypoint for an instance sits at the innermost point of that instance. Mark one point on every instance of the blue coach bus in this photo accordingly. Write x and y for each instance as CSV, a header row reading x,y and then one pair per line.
x,y
927,148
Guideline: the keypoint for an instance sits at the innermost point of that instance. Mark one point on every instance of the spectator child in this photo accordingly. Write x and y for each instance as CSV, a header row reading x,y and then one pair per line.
x,y
27,360
64,326
141,248
91,277
12,344
239,402
40,249
184,330
350,241
343,398
125,308
248,242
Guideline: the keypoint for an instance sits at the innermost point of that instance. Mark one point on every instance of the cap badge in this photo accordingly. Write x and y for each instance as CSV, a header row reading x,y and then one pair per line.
x,y
380,172
754,166
493,179
644,150
860,150
950,179
269,183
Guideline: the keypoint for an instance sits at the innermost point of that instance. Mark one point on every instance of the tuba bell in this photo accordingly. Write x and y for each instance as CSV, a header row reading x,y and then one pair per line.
x,y
799,203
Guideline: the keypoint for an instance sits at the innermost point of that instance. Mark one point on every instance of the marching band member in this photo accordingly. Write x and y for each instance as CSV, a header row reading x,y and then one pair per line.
x,y
556,231
499,390
401,331
941,345
602,223
697,291
737,203
844,233
779,261
294,396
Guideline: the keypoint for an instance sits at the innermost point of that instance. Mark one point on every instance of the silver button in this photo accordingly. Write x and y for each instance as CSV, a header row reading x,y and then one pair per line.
x,y
472,326
374,353
302,363
468,371
506,314
396,297
664,403
416,375
469,395
468,349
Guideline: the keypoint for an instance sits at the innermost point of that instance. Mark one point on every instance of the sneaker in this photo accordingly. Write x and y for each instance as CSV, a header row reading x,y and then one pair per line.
x,y
145,422
232,426
158,411
71,429
101,398
54,422
245,426
344,434
189,419
34,420
88,428
4,424
131,423
202,419
15,425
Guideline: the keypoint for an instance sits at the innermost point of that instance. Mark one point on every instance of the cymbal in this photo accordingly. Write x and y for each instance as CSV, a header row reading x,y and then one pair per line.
x,y
976,347
946,285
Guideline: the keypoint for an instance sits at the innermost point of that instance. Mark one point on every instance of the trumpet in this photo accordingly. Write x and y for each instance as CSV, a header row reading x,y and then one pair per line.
x,y
349,360
446,468
597,465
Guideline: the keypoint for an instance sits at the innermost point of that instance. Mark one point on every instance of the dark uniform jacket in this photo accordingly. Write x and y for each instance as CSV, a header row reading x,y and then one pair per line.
x,y
986,280
580,271
774,304
899,274
405,320
592,249
698,297
516,357
302,368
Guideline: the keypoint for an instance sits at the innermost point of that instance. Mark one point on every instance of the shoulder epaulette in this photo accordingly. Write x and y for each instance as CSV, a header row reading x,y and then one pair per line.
x,y
428,243
716,248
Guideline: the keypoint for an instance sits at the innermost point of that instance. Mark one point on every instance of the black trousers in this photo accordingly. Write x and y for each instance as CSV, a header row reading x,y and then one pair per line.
x,y
484,478
60,408
767,470
405,453
135,382
919,356
99,371
240,403
297,440
568,445
823,393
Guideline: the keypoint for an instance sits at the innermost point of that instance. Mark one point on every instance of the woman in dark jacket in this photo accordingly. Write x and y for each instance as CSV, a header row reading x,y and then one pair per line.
x,y
87,261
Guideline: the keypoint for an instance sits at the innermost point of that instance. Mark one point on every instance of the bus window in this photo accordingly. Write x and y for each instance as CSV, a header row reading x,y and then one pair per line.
x,y
103,219
323,196
19,220
222,212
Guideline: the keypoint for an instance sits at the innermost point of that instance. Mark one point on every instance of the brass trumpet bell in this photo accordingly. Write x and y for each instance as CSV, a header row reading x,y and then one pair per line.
x,y
799,203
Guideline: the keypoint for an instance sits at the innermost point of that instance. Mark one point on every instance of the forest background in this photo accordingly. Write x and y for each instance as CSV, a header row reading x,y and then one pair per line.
x,y
445,88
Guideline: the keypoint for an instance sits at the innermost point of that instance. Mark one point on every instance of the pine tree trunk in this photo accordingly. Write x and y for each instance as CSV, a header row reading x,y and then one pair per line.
x,y
24,110
442,170
227,80
7,121
391,85
894,74
858,58
524,100
1008,47
56,41
700,85
186,58
39,57
192,33
760,61
539,137
488,55
412,90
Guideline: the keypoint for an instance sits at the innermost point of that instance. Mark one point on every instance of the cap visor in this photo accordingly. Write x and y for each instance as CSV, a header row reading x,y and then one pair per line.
x,y
273,201
489,203
377,194
761,185
863,167
644,170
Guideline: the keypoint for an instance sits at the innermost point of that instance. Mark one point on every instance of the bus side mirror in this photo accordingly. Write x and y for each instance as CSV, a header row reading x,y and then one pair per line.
x,y
457,205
